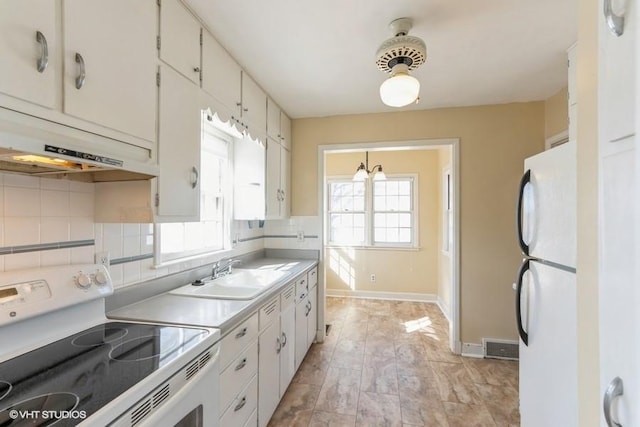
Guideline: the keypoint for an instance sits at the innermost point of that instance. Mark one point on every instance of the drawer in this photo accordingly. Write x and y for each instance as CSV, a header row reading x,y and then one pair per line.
x,y
288,297
269,312
302,285
236,340
242,406
237,375
313,277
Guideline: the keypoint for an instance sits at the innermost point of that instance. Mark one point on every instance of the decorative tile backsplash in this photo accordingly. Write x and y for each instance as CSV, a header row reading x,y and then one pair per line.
x,y
46,221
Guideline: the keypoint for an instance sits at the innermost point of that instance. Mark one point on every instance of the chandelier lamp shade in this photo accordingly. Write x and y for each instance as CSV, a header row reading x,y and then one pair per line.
x,y
398,56
363,172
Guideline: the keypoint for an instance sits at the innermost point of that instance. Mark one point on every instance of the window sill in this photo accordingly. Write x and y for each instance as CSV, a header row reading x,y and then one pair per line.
x,y
376,248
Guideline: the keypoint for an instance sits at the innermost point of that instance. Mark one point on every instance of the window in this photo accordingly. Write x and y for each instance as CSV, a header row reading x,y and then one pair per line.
x,y
212,233
372,213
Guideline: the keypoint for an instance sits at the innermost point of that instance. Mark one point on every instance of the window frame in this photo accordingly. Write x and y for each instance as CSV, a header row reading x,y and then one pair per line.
x,y
369,213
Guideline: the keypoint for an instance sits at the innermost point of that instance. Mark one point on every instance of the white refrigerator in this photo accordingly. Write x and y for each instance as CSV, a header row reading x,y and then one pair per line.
x,y
546,289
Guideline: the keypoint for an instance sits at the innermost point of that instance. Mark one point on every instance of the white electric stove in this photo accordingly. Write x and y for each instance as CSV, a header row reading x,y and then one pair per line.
x,y
63,363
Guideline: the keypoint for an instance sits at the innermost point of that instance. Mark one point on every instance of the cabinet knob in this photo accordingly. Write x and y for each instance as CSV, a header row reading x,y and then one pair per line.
x,y
196,69
245,109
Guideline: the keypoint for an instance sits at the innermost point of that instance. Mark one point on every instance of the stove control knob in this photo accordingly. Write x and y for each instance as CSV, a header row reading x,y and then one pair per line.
x,y
83,280
101,278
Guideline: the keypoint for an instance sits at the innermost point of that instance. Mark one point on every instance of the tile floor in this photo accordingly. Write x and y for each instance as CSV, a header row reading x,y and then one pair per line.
x,y
387,363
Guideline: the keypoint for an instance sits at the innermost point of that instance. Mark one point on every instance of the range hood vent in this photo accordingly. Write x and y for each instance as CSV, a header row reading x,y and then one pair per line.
x,y
33,146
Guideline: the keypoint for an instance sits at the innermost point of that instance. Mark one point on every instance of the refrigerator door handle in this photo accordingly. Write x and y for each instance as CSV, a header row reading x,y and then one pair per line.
x,y
524,267
526,179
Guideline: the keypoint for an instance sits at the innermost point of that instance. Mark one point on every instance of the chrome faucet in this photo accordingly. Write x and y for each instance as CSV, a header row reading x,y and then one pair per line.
x,y
223,267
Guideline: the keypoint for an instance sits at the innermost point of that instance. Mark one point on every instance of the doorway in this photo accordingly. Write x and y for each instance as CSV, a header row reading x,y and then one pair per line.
x,y
373,268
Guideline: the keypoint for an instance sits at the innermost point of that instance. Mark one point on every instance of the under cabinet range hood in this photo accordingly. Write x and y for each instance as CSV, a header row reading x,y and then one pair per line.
x,y
34,146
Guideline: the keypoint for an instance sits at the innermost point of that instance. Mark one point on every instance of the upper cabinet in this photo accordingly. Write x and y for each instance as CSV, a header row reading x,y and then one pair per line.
x,y
572,95
278,181
109,60
110,64
179,40
221,75
278,124
29,49
254,105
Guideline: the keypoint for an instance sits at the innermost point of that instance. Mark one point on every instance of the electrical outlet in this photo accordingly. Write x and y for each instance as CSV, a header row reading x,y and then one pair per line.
x,y
373,277
103,258
300,236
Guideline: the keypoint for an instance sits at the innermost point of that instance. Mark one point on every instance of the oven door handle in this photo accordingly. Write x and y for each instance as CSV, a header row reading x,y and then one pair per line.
x,y
159,416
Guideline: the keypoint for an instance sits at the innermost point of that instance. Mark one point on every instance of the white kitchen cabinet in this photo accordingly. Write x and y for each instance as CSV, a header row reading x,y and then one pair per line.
x,y
276,350
306,317
278,179
572,91
278,124
179,39
254,106
249,179
221,75
23,53
178,186
110,64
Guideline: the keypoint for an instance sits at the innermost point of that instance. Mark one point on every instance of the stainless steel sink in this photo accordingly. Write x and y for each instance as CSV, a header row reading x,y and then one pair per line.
x,y
242,284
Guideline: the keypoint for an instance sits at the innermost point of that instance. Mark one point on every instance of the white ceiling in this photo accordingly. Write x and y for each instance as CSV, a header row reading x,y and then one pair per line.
x,y
317,58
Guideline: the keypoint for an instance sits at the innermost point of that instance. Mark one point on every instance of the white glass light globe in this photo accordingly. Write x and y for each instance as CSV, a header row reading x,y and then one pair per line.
x,y
399,90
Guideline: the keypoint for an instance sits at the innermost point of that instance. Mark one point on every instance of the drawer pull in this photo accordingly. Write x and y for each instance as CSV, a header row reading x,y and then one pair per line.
x,y
81,76
284,339
278,345
43,61
242,364
241,404
242,333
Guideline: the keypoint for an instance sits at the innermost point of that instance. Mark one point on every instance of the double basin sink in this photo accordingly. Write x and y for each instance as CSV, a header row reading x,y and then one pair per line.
x,y
242,284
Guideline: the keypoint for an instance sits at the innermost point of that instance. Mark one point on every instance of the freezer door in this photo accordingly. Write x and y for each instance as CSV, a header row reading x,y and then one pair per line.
x,y
549,205
548,372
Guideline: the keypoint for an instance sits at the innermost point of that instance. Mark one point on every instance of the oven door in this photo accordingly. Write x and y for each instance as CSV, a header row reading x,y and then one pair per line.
x,y
194,405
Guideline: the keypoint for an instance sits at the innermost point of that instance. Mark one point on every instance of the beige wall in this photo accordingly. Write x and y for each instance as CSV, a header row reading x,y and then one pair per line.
x,y
397,271
556,114
587,255
494,141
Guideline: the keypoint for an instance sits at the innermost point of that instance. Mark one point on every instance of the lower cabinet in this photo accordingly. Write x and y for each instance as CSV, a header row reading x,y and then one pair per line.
x,y
306,316
276,352
260,356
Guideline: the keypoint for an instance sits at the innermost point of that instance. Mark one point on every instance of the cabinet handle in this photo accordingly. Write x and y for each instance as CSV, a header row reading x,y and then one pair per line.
x,y
196,176
242,364
242,333
282,192
284,340
308,305
241,404
44,56
245,109
614,22
278,345
196,69
614,389
81,76
238,104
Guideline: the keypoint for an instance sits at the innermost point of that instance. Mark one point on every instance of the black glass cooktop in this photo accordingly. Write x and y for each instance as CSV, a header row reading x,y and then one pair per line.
x,y
86,371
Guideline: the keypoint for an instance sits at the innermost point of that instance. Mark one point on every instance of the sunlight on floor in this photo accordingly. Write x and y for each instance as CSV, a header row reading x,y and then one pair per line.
x,y
423,325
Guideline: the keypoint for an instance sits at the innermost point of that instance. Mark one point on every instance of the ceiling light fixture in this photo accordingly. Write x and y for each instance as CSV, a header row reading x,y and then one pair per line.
x,y
397,56
363,171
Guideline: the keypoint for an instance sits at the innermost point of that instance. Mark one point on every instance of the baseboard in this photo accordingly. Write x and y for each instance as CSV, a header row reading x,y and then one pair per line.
x,y
396,296
472,350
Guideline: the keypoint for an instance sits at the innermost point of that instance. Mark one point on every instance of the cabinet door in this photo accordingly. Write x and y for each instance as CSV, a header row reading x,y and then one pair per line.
x,y
273,180
180,39
249,180
285,130
288,352
178,149
273,120
221,74
301,330
20,51
115,50
285,179
312,316
268,372
254,105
